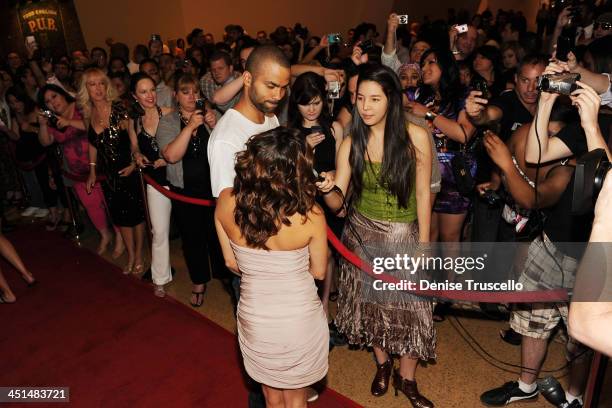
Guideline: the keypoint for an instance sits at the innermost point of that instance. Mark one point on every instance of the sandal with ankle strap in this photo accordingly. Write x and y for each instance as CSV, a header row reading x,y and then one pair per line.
x,y
199,298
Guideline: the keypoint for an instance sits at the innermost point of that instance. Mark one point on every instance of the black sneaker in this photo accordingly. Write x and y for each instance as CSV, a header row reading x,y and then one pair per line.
x,y
504,395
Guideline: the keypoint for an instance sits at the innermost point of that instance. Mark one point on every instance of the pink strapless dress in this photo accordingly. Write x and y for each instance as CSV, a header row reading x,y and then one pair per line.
x,y
282,329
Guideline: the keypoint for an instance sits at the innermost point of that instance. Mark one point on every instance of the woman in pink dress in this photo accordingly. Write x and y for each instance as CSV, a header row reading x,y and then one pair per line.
x,y
68,130
273,235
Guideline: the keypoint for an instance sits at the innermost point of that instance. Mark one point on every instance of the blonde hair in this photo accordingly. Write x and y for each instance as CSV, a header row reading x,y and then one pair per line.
x,y
84,101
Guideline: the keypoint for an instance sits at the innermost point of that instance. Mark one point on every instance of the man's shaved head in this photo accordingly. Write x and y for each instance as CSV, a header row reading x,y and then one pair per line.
x,y
265,54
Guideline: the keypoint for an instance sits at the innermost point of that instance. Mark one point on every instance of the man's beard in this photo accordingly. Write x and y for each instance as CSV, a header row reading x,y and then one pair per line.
x,y
261,105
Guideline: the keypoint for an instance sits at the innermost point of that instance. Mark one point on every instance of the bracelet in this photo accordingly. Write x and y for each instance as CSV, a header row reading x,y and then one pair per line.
x,y
92,164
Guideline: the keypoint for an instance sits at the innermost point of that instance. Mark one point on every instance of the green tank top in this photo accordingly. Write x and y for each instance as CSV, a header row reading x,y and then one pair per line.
x,y
376,203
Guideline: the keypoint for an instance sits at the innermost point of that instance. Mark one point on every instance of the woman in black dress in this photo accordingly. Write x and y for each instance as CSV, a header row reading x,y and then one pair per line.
x,y
309,112
110,150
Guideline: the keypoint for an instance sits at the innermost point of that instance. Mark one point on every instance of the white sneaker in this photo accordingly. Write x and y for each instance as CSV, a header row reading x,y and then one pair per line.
x,y
311,394
41,213
28,212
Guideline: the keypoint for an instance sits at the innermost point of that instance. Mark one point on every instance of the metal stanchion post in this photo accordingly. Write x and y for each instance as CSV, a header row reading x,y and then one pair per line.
x,y
143,187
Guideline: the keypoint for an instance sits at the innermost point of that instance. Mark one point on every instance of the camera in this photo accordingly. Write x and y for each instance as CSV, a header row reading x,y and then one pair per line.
x,y
333,90
589,176
155,37
492,198
334,38
366,46
479,84
403,18
50,116
563,84
201,104
463,28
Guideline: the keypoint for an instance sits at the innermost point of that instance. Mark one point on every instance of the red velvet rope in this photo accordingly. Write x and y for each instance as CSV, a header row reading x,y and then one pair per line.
x,y
175,196
557,295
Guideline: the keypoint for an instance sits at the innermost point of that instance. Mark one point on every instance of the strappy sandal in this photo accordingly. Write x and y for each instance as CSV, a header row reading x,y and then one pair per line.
x,y
199,298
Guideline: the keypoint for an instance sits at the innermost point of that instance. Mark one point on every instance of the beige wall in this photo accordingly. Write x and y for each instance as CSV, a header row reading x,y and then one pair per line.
x,y
129,21
528,7
133,21
140,18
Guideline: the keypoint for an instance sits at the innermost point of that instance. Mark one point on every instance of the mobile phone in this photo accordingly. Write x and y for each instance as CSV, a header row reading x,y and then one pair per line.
x,y
334,38
481,85
333,90
317,176
565,45
403,18
316,129
31,42
201,104
155,37
463,28
366,45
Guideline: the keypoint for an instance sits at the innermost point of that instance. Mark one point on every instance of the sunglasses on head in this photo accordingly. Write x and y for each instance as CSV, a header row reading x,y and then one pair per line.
x,y
603,25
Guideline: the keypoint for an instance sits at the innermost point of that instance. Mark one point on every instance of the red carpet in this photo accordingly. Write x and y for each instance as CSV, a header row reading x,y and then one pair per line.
x,y
87,327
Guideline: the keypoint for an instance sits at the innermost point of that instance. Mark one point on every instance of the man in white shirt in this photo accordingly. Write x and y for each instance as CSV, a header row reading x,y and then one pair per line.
x,y
266,79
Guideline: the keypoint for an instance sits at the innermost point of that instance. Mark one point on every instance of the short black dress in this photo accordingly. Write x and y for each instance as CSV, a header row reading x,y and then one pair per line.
x,y
123,194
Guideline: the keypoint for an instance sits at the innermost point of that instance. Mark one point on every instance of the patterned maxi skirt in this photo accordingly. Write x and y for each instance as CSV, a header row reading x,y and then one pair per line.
x,y
398,322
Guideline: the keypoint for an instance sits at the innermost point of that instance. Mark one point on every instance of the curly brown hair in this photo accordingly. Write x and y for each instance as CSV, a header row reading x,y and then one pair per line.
x,y
274,180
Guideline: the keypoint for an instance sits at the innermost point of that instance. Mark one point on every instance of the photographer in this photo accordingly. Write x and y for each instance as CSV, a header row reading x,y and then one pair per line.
x,y
574,140
510,110
182,137
552,261
591,322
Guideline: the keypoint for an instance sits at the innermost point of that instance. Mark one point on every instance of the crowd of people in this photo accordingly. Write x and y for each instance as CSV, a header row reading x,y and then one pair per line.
x,y
435,131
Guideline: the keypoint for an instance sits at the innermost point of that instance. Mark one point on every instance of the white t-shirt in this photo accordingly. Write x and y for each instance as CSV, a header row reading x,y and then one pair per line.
x,y
228,138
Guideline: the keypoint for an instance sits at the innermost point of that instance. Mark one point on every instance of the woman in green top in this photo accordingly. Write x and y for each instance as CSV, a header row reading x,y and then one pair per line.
x,y
386,162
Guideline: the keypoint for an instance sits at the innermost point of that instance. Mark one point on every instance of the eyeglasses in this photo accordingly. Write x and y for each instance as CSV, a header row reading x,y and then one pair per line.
x,y
603,25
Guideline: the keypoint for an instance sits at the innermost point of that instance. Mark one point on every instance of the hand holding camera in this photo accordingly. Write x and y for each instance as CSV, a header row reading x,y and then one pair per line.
x,y
325,181
316,137
587,101
475,104
359,57
392,23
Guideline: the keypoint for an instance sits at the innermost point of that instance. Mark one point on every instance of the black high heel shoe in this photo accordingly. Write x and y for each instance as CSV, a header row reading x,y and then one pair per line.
x,y
410,390
380,384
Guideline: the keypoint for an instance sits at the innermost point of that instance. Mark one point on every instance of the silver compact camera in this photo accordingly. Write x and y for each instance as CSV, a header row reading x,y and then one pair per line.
x,y
563,84
333,90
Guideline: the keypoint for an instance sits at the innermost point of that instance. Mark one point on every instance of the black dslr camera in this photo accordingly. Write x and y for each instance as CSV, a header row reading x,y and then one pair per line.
x,y
563,84
589,176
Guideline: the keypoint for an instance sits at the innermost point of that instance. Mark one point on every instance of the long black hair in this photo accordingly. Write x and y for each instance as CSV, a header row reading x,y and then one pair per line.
x,y
398,163
307,87
451,90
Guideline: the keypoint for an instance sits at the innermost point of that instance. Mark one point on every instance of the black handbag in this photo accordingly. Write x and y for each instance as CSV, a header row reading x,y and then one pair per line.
x,y
461,170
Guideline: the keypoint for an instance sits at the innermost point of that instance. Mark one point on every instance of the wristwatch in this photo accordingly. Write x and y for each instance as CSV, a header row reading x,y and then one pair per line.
x,y
430,116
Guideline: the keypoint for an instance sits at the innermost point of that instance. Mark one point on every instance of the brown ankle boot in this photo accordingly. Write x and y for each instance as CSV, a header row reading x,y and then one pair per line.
x,y
380,384
409,388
